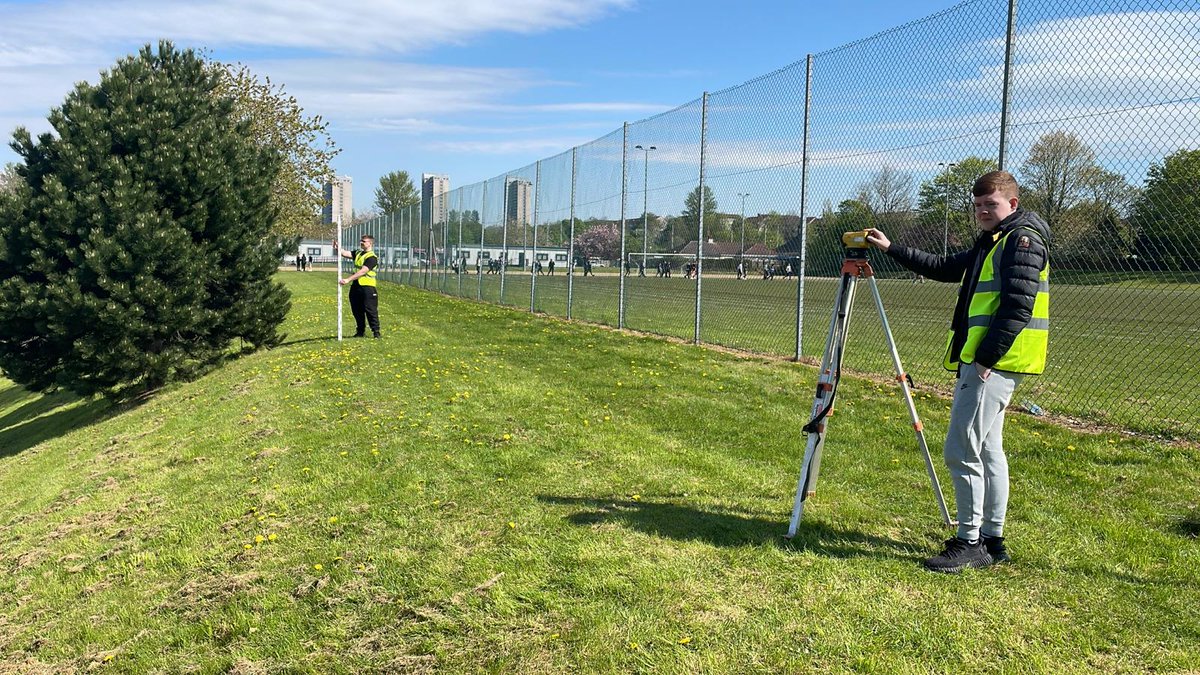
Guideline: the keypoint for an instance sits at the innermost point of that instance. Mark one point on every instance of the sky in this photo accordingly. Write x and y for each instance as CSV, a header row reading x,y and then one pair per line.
x,y
466,88
475,89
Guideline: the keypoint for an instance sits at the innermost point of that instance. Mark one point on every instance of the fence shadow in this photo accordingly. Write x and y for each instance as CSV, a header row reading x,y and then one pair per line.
x,y
289,343
728,528
42,418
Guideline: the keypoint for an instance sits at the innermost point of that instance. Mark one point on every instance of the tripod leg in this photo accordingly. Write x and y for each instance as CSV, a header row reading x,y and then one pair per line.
x,y
832,372
811,464
912,408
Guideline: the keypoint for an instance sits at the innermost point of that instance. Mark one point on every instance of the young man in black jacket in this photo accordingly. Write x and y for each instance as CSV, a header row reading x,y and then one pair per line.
x,y
998,335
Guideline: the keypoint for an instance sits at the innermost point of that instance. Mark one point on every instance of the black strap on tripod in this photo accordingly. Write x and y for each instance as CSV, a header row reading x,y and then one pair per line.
x,y
814,425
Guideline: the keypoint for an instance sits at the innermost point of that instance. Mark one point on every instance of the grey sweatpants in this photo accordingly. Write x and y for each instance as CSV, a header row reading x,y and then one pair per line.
x,y
974,450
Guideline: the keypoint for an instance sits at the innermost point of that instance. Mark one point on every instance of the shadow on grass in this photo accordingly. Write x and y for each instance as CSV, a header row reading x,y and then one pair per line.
x,y
1188,525
289,343
47,417
674,521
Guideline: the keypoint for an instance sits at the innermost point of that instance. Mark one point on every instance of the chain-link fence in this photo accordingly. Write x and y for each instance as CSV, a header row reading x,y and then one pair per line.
x,y
720,221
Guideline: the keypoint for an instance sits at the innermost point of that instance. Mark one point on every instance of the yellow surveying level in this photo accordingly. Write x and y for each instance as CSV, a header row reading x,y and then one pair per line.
x,y
855,266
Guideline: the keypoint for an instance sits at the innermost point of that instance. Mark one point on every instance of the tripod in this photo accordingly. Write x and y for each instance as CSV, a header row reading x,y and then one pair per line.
x,y
855,266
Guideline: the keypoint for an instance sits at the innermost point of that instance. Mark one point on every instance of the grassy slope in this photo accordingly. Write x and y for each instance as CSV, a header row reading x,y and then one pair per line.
x,y
489,490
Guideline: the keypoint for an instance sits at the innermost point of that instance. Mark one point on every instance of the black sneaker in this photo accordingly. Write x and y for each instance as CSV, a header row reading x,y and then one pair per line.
x,y
957,555
358,335
995,548
377,336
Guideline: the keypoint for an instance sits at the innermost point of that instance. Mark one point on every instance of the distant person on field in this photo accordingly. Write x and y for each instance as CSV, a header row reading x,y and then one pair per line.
x,y
364,296
998,335
550,267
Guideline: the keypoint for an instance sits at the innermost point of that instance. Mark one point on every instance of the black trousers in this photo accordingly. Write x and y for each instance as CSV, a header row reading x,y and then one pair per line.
x,y
364,304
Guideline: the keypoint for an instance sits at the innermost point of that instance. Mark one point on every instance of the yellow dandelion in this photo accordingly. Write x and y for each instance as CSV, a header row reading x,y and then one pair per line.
x,y
272,537
685,639
318,567
332,520
507,437
247,546
512,525
258,539
1070,447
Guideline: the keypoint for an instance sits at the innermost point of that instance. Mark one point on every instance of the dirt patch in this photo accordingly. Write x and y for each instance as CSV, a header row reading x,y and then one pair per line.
x,y
197,595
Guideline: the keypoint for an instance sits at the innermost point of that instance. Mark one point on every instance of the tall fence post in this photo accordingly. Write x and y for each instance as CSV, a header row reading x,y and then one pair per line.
x,y
1006,100
571,240
504,239
445,211
412,245
430,248
700,201
624,198
458,259
537,202
803,207
479,257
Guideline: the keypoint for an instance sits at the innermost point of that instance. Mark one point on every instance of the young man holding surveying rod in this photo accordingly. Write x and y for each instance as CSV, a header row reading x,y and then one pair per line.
x,y
998,334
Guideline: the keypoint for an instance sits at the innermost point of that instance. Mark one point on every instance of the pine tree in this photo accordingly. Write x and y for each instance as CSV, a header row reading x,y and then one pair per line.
x,y
135,249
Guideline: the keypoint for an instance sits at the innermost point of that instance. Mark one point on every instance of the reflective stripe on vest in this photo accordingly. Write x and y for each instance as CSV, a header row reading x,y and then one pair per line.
x,y
1028,351
360,259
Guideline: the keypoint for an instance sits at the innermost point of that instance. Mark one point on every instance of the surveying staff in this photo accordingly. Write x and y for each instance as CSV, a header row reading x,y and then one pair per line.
x,y
364,296
998,334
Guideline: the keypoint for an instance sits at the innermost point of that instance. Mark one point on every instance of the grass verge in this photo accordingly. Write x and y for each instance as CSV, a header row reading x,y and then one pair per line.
x,y
487,490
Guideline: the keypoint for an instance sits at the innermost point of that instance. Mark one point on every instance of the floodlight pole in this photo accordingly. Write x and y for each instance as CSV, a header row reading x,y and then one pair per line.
x,y
645,198
946,226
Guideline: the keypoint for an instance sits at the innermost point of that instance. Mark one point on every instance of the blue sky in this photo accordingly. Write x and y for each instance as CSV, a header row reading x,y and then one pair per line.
x,y
477,88
469,88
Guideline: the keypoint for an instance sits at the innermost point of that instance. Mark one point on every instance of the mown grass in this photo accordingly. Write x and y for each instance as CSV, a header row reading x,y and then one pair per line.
x,y
489,490
1120,354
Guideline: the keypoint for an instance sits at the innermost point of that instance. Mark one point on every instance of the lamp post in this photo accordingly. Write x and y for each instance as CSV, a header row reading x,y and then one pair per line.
x,y
946,221
645,198
742,249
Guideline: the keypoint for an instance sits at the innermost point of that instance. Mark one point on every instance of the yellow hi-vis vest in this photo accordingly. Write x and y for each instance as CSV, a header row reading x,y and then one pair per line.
x,y
1028,351
360,258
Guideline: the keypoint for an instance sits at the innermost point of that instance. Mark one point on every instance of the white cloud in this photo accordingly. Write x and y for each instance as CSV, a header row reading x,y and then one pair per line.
x,y
523,146
1118,57
372,26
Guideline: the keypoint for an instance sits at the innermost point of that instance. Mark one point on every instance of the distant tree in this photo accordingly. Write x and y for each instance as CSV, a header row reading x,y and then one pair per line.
x,y
600,239
946,198
690,218
889,191
276,122
1056,175
137,249
1166,215
395,191
1081,201
772,229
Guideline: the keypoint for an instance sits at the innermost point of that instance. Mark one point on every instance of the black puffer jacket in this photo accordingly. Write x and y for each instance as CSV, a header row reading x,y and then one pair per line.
x,y
1020,263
